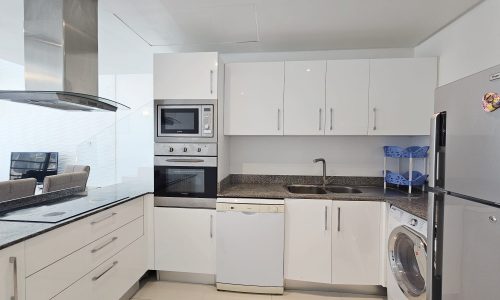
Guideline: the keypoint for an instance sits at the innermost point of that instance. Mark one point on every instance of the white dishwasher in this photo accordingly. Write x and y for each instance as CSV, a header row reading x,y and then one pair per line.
x,y
250,237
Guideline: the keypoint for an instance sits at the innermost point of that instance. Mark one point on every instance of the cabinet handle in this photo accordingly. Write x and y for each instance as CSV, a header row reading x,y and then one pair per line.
x,y
211,82
279,113
103,245
326,218
95,278
338,219
374,118
320,113
331,119
13,261
211,226
102,219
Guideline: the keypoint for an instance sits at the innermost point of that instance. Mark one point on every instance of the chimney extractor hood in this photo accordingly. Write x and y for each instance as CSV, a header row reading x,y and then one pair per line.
x,y
60,54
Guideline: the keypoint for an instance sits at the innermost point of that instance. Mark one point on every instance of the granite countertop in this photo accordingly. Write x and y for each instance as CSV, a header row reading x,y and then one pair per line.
x,y
96,200
416,204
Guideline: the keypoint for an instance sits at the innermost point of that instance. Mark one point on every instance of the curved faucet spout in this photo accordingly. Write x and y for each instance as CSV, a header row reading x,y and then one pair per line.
x,y
324,169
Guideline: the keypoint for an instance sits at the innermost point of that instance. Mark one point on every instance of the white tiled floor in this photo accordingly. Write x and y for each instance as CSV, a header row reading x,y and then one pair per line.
x,y
162,290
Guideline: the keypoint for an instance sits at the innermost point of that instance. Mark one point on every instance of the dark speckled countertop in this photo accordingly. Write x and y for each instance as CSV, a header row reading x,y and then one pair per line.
x,y
259,187
95,201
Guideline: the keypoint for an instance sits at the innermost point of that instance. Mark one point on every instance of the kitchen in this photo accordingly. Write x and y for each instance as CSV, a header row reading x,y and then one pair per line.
x,y
248,161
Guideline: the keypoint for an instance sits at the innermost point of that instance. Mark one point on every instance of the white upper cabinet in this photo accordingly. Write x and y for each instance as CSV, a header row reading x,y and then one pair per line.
x,y
347,84
253,99
401,95
185,75
356,242
308,240
305,97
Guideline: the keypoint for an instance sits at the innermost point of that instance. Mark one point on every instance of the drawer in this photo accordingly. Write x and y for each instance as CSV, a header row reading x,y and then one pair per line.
x,y
50,247
111,279
58,276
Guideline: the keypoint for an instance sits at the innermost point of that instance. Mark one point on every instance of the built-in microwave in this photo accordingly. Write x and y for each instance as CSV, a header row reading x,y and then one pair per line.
x,y
185,121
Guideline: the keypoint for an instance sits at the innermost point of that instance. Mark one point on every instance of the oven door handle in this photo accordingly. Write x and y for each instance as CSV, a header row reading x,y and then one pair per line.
x,y
187,160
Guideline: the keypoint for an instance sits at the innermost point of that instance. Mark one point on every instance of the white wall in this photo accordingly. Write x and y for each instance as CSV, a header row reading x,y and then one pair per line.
x,y
345,155
468,45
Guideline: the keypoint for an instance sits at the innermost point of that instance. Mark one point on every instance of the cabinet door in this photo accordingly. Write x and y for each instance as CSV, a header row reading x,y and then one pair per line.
x,y
305,97
308,236
185,240
253,99
12,272
347,85
402,95
356,242
185,75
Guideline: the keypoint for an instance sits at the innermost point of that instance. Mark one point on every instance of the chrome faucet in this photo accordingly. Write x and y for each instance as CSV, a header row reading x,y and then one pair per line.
x,y
324,169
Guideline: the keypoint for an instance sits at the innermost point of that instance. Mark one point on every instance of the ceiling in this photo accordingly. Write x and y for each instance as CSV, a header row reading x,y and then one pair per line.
x,y
285,25
131,27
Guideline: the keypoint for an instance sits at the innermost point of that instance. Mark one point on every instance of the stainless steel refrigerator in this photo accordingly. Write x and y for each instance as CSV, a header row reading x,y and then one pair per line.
x,y
464,207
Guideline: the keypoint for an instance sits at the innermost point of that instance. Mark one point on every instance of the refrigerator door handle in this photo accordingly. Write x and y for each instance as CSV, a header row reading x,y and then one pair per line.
x,y
430,245
433,148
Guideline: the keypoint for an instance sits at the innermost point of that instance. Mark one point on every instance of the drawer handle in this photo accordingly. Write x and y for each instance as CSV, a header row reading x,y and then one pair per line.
x,y
103,218
95,278
13,261
103,245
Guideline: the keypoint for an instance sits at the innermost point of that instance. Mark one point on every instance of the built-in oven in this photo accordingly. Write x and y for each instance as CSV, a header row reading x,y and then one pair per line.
x,y
187,180
185,121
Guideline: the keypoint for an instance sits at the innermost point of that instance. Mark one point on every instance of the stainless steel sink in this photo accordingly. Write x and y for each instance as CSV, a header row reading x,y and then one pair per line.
x,y
343,190
305,189
318,190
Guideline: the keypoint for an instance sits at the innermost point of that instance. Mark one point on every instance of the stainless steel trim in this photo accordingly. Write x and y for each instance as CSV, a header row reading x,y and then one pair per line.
x,y
95,278
495,76
211,226
104,245
338,219
320,115
279,112
192,160
207,203
326,218
374,118
211,82
180,106
331,119
180,161
103,218
13,261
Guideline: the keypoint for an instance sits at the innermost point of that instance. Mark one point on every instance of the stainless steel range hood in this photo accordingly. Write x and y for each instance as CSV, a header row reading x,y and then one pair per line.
x,y
60,52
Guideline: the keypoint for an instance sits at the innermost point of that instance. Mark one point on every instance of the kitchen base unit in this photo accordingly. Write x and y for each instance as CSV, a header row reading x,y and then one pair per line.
x,y
184,240
250,245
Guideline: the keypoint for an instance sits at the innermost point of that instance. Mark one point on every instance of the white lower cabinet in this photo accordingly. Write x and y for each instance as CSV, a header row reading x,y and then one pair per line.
x,y
335,242
356,242
184,240
12,272
308,240
111,279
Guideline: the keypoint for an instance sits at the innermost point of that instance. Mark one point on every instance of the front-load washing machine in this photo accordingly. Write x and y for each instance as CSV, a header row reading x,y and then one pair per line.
x,y
407,250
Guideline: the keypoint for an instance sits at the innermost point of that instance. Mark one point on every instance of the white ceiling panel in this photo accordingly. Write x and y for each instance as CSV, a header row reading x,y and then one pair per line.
x,y
170,23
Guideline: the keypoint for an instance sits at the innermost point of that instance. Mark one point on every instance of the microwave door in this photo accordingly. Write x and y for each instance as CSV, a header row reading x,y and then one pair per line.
x,y
179,121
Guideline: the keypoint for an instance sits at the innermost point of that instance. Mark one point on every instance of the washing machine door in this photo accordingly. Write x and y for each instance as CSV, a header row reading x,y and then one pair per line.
x,y
407,258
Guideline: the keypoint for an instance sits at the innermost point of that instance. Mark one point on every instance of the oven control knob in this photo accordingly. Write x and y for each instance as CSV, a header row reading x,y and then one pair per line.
x,y
199,149
171,149
185,149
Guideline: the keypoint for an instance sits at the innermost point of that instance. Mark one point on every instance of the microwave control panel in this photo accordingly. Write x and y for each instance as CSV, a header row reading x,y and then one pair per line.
x,y
207,120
